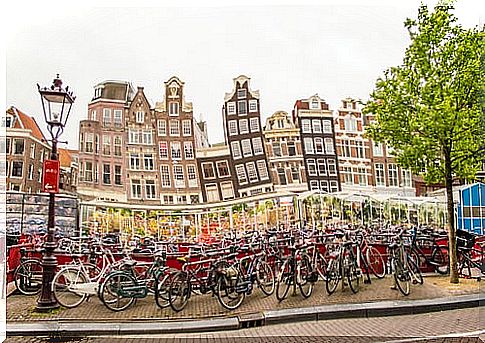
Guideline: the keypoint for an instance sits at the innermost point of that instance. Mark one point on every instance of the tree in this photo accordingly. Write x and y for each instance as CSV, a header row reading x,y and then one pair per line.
x,y
428,109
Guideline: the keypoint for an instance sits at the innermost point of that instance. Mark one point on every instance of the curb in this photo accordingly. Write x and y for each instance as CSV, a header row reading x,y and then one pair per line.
x,y
326,312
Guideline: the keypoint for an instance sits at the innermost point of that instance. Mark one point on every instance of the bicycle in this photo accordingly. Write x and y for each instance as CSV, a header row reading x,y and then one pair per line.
x,y
471,260
439,254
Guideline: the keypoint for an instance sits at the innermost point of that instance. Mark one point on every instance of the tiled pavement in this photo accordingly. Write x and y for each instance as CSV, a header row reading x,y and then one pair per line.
x,y
20,308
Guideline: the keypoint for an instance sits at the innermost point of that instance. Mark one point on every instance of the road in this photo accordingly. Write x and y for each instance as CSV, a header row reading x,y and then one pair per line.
x,y
465,325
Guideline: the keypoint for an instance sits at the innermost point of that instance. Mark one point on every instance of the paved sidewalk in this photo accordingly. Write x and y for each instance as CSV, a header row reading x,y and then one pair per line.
x,y
21,308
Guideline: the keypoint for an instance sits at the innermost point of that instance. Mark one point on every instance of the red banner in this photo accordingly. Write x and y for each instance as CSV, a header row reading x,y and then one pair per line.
x,y
50,179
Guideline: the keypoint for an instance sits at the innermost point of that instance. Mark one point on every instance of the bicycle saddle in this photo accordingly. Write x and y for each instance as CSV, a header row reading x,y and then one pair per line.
x,y
183,259
129,263
393,245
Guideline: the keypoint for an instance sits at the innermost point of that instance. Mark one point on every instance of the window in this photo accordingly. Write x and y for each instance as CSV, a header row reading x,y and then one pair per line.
x,y
150,190
187,127
189,150
223,169
246,147
117,145
380,174
349,104
133,136
312,167
165,175
346,148
88,176
106,117
232,127
252,174
329,146
7,145
136,189
362,176
317,126
314,185
236,150
147,137
4,168
348,176
8,120
406,178
176,153
243,126
295,174
173,109
315,104
134,161
332,170
241,93
322,167
178,175
106,174
350,124
241,174
32,150
262,169
327,126
117,175
192,175
276,149
359,147
308,145
253,106
106,145
174,128
212,192
162,127
377,149
18,146
96,144
140,117
168,199
15,187
393,176
17,169
306,126
163,150
333,186
242,107
258,146
40,174
319,146
227,190
231,108
208,170
254,123
324,185
31,171
117,118
281,176
291,148
148,162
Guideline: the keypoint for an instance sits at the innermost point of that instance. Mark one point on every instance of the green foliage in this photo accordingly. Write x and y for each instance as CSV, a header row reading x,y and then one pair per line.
x,y
430,108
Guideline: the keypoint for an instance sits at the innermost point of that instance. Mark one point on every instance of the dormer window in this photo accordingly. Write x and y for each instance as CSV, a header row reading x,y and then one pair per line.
x,y
173,109
7,121
140,117
241,93
97,92
315,104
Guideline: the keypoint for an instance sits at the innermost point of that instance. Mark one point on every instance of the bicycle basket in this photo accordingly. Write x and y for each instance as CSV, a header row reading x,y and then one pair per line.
x,y
465,239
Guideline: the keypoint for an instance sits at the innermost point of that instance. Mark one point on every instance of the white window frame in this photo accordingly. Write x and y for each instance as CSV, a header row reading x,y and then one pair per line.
x,y
173,148
329,147
153,186
187,128
227,190
239,107
173,108
331,167
165,177
192,175
138,187
308,144
232,125
162,127
241,174
318,142
327,126
106,117
179,182
312,167
236,150
253,106
262,170
212,192
118,118
317,126
306,126
231,108
226,163
211,165
174,125
393,175
246,148
380,174
243,126
140,117
188,151
254,124
166,150
258,146
252,172
147,158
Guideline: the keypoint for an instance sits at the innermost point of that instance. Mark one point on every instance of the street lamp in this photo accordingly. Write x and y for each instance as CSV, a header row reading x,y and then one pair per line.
x,y
56,104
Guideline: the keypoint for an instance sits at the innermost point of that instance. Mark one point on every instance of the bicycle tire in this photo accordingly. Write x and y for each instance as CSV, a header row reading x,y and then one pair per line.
x,y
401,276
228,294
440,260
304,277
333,276
162,286
179,291
265,278
62,283
284,281
375,262
352,273
28,277
415,272
111,288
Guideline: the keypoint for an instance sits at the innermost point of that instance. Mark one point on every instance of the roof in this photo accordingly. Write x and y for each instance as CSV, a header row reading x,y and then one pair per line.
x,y
64,157
26,122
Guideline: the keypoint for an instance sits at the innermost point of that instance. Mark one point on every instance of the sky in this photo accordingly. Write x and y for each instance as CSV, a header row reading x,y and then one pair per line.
x,y
290,50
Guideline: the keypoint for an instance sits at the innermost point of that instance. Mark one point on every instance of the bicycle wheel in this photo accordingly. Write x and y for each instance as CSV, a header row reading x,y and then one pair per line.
x,y
162,286
375,261
415,272
228,293
265,278
65,287
352,272
440,260
321,266
285,280
114,292
179,291
333,275
305,276
401,276
28,277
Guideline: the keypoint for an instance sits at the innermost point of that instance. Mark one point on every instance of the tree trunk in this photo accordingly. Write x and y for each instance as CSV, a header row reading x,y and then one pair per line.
x,y
451,220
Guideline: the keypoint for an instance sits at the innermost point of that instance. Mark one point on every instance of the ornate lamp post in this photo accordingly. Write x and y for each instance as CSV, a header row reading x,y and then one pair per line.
x,y
56,104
